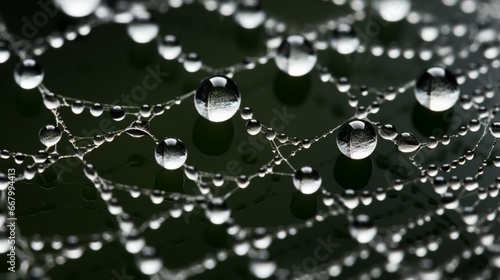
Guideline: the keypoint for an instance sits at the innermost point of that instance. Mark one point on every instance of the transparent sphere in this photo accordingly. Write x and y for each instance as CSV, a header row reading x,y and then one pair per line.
x,y
344,39
249,14
148,261
170,153
78,8
142,30
357,139
307,180
217,211
295,56
392,10
28,74
495,129
4,51
217,98
49,135
362,229
437,89
261,265
169,47
407,142
72,247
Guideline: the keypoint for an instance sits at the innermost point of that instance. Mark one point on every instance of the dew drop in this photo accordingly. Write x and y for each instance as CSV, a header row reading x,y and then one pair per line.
x,y
357,139
295,56
495,129
249,14
169,47
142,30
217,211
307,180
28,74
407,142
392,10
437,89
362,229
49,135
344,39
78,8
261,265
170,153
217,98
149,262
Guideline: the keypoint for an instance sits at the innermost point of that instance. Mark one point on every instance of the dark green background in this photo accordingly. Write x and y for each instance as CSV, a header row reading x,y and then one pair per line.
x,y
102,66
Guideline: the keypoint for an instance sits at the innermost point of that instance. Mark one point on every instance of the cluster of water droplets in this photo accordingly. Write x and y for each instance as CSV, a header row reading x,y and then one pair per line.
x,y
218,98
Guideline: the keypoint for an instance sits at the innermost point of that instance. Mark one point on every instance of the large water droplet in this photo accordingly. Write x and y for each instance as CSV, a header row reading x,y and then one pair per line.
x,y
295,56
217,98
170,153
49,135
249,14
142,30
217,211
307,180
344,39
78,8
437,89
357,139
362,229
392,10
28,74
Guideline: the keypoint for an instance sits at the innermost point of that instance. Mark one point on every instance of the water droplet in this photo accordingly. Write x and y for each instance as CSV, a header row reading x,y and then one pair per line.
x,y
241,247
495,129
78,8
388,132
261,239
96,110
295,56
437,89
49,135
217,98
344,39
134,242
253,127
217,211
357,139
77,107
407,142
170,153
307,180
4,51
142,30
169,47
28,74
249,14
192,62
392,10
72,248
362,229
261,265
117,113
149,262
